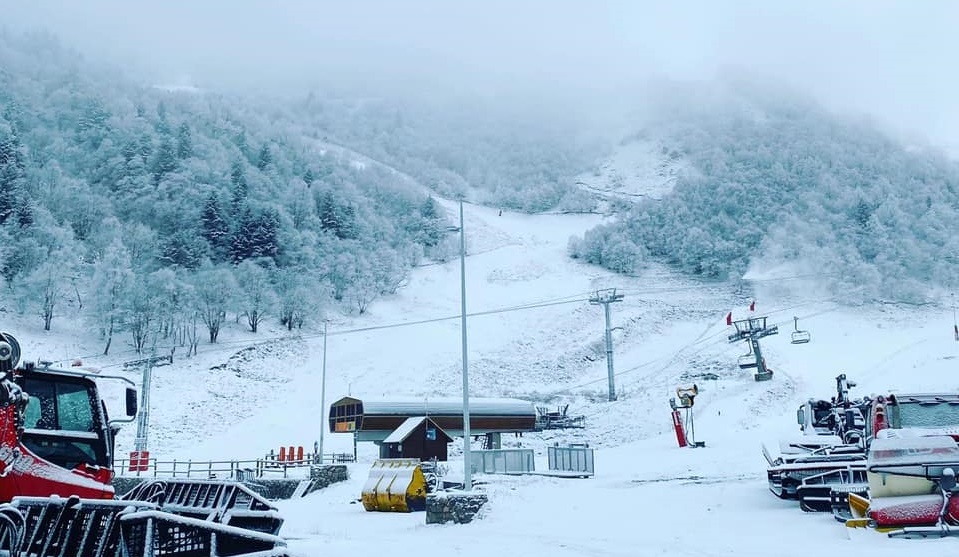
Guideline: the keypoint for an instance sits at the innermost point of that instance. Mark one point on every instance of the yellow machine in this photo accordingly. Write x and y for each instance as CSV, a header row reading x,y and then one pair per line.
x,y
687,396
395,485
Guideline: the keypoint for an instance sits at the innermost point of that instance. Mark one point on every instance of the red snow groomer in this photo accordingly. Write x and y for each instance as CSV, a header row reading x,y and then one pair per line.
x,y
911,467
57,498
55,435
912,488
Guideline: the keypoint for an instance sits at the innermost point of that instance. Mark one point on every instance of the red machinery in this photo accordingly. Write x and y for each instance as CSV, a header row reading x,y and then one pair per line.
x,y
55,435
57,439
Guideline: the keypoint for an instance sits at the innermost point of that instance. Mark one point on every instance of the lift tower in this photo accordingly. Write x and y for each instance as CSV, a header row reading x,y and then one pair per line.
x,y
751,330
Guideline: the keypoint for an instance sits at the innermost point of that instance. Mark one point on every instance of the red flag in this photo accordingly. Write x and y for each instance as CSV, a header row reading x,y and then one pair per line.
x,y
729,318
752,306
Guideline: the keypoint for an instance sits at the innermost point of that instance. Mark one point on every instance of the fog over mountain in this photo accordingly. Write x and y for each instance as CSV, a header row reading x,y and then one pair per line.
x,y
890,59
265,144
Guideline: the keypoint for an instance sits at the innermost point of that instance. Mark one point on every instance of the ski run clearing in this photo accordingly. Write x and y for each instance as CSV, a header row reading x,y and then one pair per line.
x,y
539,338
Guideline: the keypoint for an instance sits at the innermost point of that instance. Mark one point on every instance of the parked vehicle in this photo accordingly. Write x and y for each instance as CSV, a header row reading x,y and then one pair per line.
x,y
56,472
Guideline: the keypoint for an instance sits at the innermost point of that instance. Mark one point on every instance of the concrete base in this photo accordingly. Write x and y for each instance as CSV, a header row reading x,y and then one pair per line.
x,y
459,508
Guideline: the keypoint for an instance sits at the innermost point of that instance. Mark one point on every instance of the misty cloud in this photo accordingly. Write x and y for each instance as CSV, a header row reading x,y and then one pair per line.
x,y
892,59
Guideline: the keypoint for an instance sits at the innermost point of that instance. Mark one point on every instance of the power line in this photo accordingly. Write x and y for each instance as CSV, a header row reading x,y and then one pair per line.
x,y
562,300
231,345
715,339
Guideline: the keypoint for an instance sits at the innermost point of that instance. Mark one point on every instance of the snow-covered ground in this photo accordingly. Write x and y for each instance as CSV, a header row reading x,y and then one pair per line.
x,y
637,168
541,339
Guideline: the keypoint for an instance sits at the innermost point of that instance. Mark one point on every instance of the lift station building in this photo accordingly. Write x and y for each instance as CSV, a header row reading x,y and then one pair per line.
x,y
396,423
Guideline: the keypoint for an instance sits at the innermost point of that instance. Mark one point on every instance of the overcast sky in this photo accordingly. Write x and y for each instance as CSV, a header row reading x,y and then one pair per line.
x,y
896,60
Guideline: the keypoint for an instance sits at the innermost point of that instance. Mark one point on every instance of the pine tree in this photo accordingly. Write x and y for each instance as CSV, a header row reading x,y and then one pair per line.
x,y
263,242
240,242
329,213
12,173
184,249
165,161
265,158
216,229
240,192
431,232
184,142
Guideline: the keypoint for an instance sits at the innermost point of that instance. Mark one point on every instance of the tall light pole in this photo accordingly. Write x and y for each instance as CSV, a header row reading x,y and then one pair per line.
x,y
467,465
323,420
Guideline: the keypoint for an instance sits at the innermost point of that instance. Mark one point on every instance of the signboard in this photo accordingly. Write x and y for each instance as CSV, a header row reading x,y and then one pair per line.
x,y
139,461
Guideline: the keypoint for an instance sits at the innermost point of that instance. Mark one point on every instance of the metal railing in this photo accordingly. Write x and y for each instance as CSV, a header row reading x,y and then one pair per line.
x,y
223,469
502,461
575,458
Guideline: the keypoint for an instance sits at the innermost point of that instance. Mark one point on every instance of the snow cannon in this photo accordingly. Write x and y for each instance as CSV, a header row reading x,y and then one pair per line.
x,y
395,485
685,429
678,424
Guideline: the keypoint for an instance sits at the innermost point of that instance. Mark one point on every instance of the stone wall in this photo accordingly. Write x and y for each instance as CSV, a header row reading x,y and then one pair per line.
x,y
274,488
459,508
123,484
327,475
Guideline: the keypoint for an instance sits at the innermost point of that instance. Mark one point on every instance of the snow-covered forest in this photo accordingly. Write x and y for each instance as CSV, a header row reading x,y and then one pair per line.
x,y
775,181
143,207
516,158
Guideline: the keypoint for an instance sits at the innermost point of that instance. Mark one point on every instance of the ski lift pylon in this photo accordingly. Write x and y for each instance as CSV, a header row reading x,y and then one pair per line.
x,y
799,336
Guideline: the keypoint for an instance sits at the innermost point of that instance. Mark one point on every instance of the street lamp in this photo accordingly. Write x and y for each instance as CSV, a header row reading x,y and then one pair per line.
x,y
467,465
323,425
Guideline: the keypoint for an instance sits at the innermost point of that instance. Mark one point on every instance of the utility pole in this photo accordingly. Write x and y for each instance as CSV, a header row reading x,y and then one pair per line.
x,y
143,420
467,464
606,297
323,422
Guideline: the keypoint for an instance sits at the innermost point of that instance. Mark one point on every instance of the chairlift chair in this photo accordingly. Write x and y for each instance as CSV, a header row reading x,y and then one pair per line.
x,y
748,360
798,336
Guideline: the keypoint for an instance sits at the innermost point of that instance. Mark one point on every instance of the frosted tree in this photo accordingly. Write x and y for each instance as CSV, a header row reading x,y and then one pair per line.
x,y
257,297
215,290
141,312
299,296
112,275
184,142
48,284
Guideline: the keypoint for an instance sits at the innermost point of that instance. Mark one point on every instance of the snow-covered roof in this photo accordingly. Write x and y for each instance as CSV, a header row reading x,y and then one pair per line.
x,y
406,428
446,406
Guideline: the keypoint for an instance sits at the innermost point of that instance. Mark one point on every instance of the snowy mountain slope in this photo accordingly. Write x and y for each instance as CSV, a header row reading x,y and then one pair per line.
x,y
637,168
234,402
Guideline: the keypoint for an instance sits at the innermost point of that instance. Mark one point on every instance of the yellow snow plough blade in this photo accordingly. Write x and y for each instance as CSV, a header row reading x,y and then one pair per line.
x,y
858,505
395,485
857,523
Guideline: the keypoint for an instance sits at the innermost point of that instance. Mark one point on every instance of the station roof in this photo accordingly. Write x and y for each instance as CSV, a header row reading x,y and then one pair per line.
x,y
408,427
426,406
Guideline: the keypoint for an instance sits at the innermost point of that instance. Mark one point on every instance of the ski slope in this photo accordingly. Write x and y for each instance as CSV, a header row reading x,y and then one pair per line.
x,y
540,338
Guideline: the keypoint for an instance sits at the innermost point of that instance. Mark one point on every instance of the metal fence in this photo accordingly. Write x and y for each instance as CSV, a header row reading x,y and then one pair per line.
x,y
574,458
502,461
243,470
